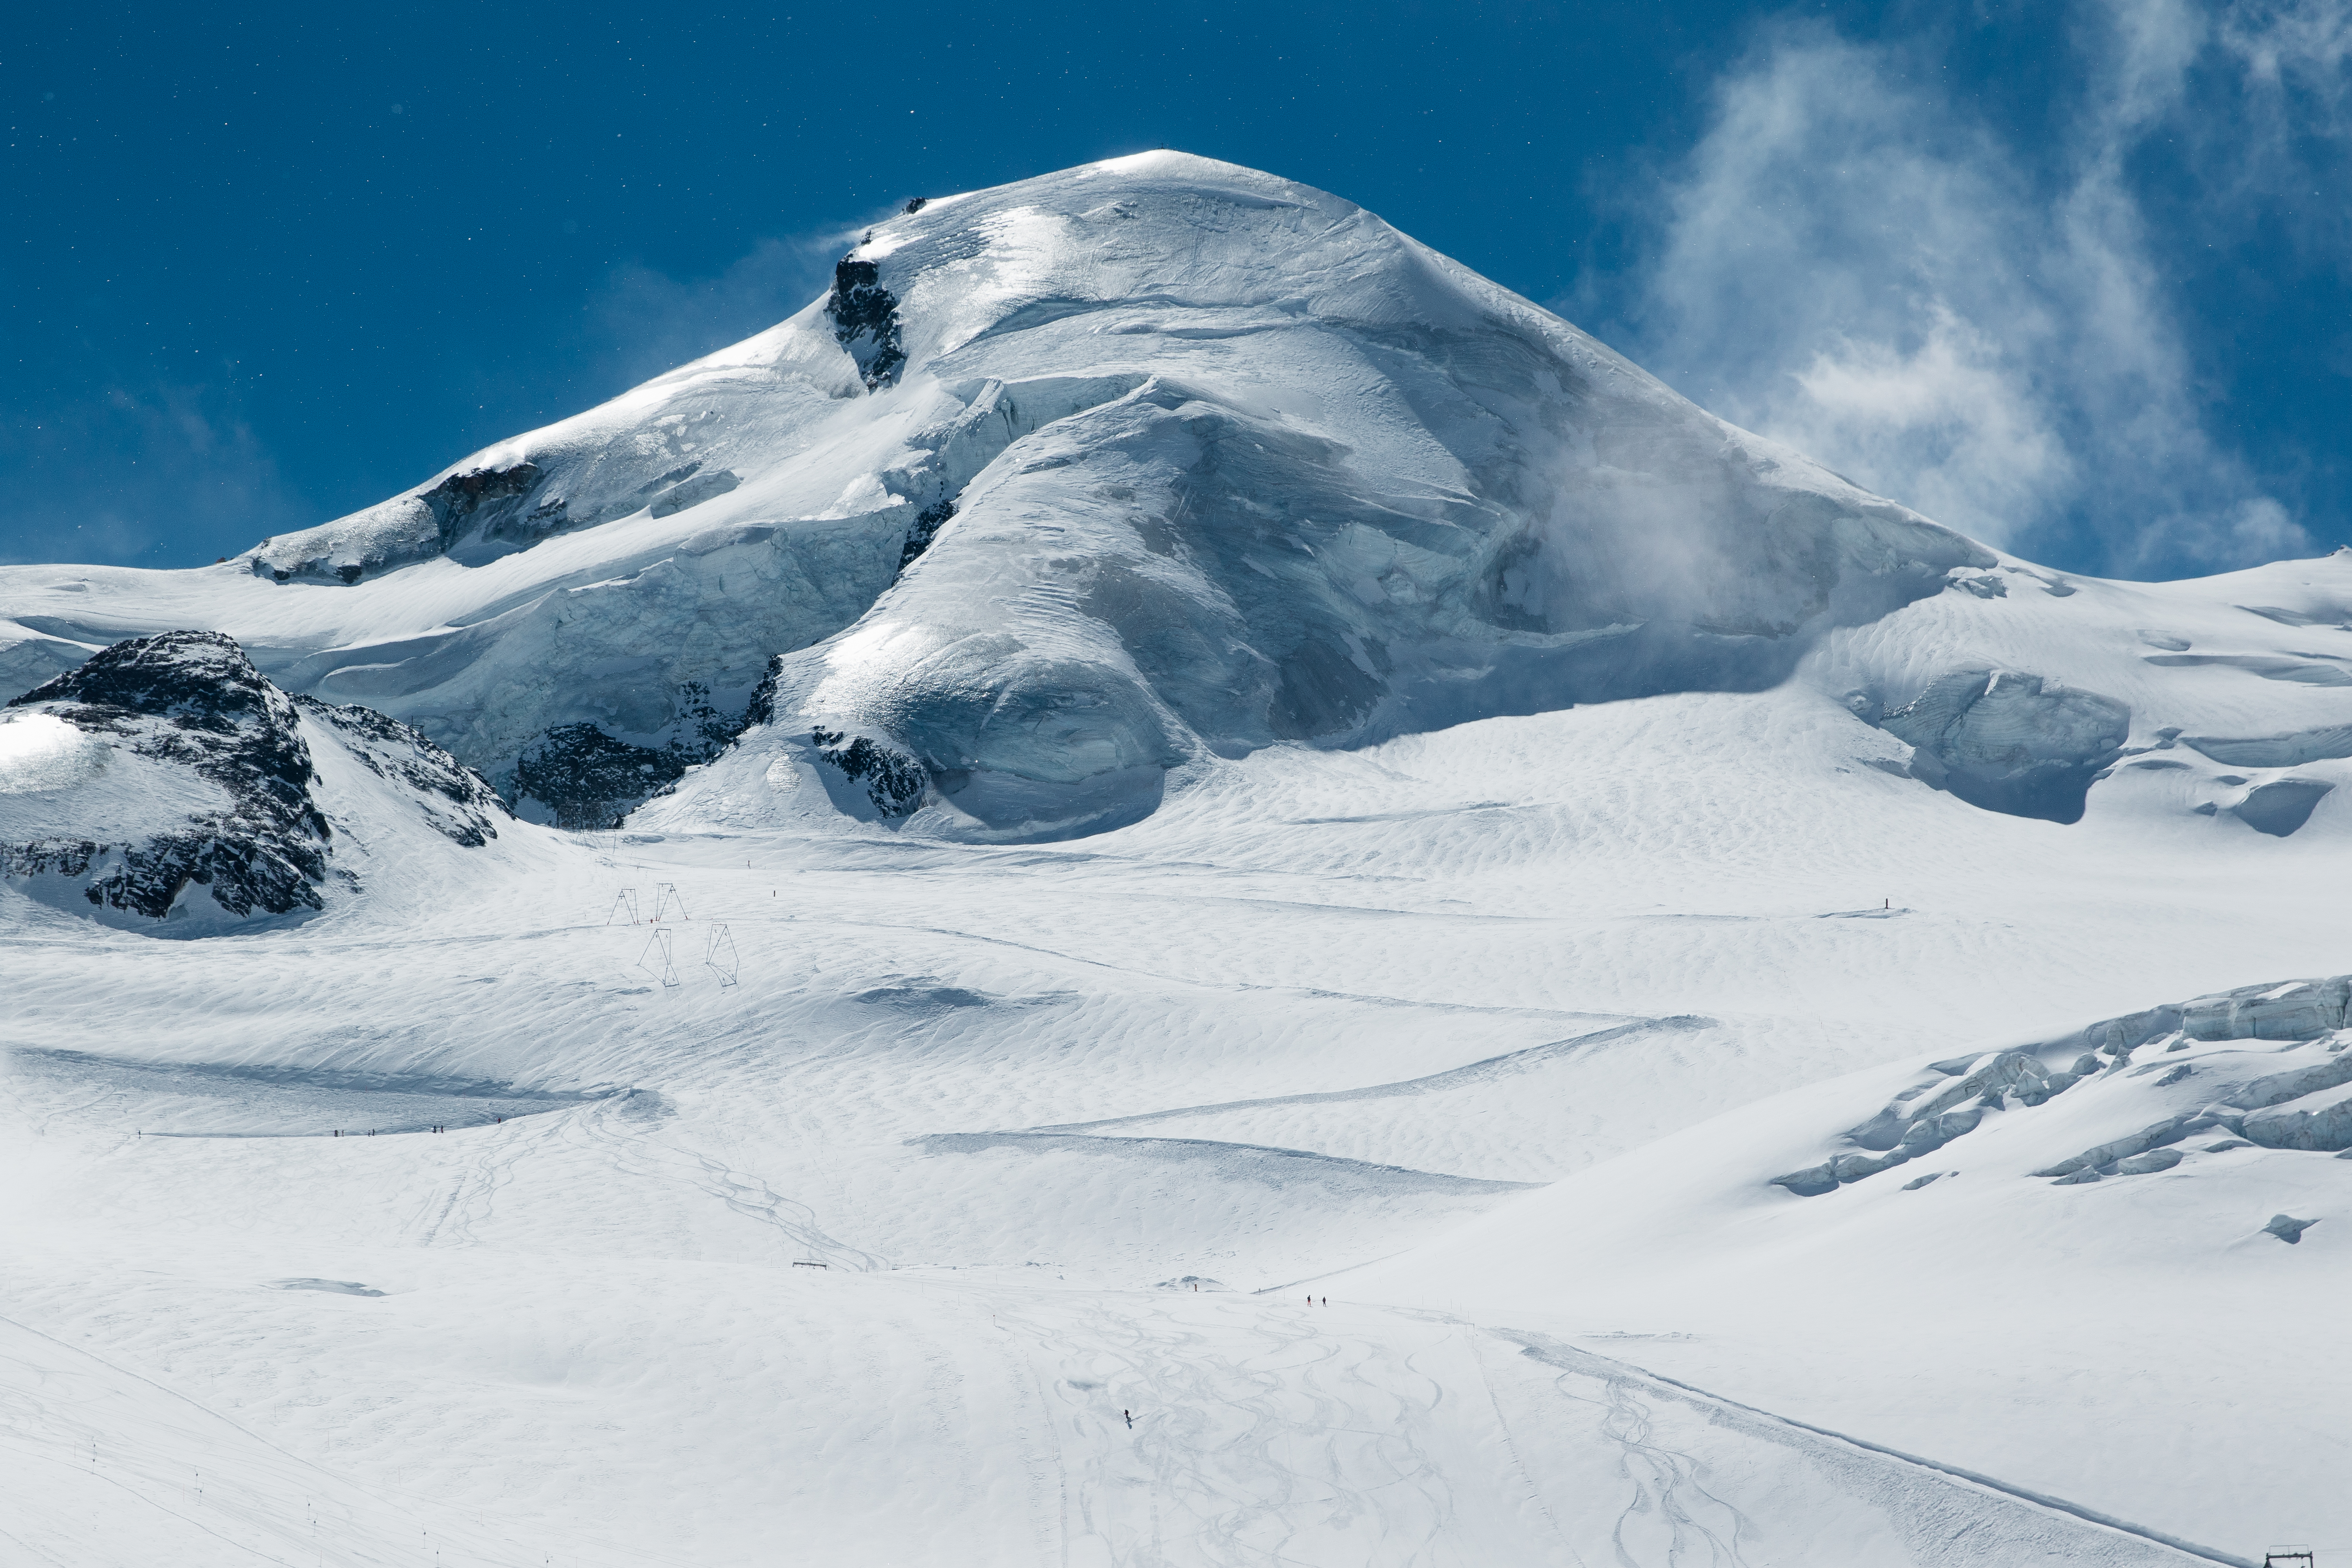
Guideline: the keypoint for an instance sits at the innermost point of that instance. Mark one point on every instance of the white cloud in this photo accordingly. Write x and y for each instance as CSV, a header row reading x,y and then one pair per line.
x,y
2295,47
1962,426
2286,141
1850,261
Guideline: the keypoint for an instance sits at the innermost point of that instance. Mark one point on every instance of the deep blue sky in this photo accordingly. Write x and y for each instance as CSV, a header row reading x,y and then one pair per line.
x,y
2078,280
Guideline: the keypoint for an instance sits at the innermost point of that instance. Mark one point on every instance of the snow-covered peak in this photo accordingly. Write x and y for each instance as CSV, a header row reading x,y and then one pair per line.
x,y
1072,482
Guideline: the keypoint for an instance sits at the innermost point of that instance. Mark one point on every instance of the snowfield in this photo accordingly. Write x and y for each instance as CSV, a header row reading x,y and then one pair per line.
x,y
1272,986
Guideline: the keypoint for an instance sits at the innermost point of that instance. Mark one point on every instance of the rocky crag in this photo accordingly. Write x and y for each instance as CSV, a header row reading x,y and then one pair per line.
x,y
168,767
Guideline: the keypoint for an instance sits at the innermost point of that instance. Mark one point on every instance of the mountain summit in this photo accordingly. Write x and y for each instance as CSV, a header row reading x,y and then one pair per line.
x,y
1070,483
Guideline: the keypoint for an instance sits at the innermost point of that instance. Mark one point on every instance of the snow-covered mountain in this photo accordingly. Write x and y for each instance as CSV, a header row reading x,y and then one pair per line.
x,y
1160,756
1070,483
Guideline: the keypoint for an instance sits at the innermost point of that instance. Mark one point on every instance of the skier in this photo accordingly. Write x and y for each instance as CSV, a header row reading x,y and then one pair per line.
x,y
1131,1420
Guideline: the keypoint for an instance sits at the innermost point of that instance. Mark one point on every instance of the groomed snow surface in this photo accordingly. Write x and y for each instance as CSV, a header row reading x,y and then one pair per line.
x,y
1311,1028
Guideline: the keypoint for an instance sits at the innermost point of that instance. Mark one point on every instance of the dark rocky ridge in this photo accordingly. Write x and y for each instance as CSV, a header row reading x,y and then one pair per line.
x,y
864,316
193,700
586,779
456,801
925,528
895,782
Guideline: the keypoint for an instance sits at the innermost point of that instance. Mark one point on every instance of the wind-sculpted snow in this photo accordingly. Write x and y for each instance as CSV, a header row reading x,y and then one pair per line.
x,y
1519,817
2279,806
2276,750
202,1099
1491,1038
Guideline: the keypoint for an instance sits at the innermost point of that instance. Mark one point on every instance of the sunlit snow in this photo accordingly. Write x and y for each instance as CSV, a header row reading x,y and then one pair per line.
x,y
1553,1095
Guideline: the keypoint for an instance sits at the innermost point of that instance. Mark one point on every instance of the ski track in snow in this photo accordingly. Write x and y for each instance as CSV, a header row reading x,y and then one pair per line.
x,y
1669,1483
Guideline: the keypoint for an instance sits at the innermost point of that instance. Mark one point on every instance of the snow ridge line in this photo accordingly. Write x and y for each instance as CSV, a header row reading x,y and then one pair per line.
x,y
1551,1352
1210,1148
1492,1067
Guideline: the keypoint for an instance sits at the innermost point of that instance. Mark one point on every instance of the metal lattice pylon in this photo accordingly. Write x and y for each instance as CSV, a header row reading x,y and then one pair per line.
x,y
719,952
665,900
658,946
625,908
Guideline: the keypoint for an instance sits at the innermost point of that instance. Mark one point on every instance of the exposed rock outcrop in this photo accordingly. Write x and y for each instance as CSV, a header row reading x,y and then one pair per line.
x,y
194,701
584,778
459,802
864,316
893,781
587,780
166,769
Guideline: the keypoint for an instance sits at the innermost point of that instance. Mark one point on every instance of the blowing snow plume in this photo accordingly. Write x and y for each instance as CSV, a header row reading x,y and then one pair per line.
x,y
1232,462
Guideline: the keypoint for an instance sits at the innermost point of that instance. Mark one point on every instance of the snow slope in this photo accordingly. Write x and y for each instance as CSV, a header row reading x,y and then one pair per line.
x,y
1315,1012
841,1152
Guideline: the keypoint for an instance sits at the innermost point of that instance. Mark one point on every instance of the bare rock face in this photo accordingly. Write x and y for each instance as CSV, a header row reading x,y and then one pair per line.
x,y
194,701
586,780
864,316
166,768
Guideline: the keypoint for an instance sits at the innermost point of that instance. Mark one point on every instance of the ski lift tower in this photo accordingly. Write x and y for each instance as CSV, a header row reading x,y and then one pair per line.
x,y
2289,1557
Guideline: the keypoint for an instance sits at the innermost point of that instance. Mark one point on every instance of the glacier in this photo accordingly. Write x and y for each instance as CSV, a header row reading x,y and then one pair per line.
x,y
1168,883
